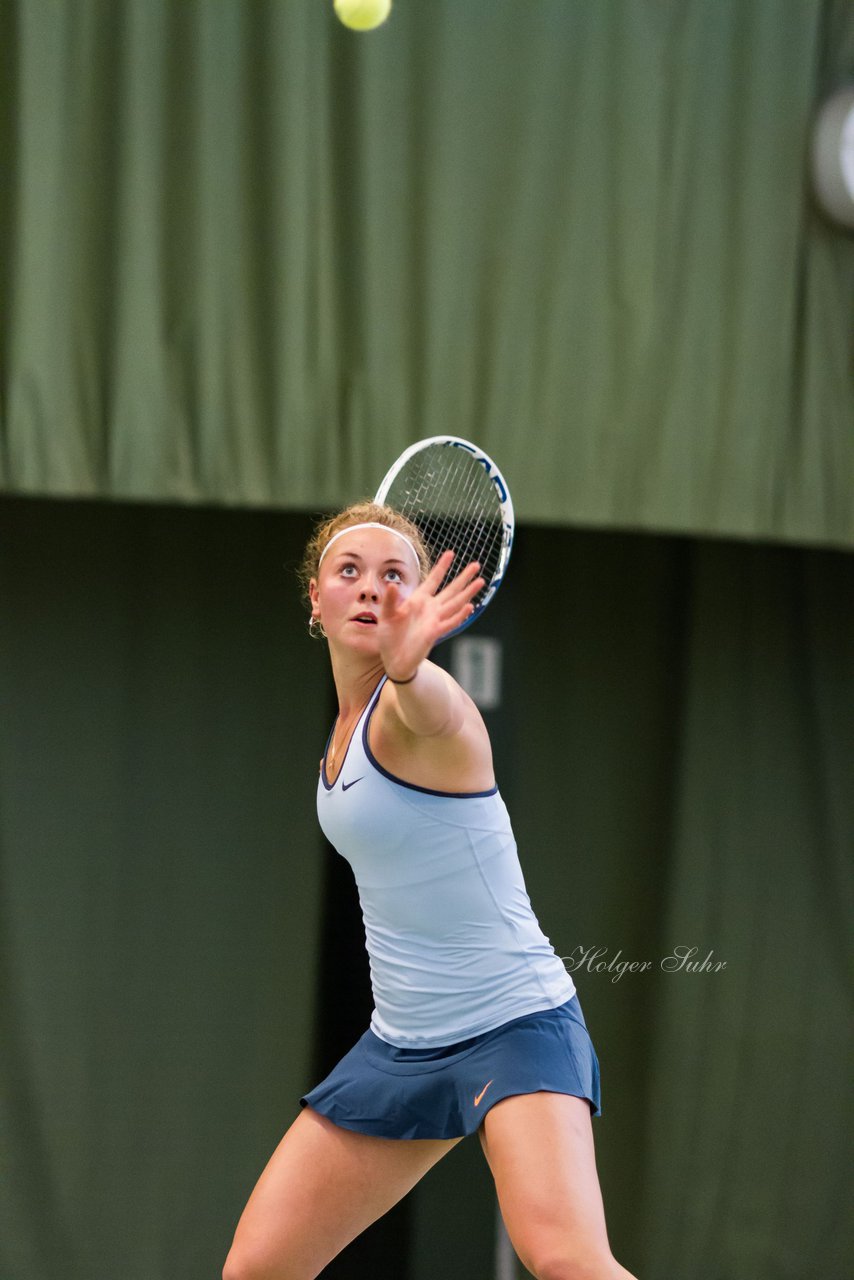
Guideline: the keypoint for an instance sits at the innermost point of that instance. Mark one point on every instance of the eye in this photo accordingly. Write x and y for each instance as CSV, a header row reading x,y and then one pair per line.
x,y
345,570
398,576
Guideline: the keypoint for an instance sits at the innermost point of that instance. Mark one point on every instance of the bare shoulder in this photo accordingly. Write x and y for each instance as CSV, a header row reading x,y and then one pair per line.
x,y
471,710
437,688
457,759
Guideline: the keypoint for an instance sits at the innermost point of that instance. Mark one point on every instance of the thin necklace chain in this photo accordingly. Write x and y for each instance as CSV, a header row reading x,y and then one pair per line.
x,y
332,754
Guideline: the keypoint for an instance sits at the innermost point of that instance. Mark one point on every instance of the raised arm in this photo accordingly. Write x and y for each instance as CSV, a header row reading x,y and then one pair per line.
x,y
428,701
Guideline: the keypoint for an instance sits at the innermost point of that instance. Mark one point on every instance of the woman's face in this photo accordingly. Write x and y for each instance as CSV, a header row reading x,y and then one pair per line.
x,y
355,574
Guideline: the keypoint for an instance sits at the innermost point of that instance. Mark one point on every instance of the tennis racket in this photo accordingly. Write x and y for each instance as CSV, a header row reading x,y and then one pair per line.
x,y
459,501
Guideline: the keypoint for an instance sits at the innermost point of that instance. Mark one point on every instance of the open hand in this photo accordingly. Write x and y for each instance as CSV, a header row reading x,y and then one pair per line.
x,y
409,626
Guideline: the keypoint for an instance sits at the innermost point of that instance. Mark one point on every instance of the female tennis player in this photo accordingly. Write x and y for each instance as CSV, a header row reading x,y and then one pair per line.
x,y
476,1025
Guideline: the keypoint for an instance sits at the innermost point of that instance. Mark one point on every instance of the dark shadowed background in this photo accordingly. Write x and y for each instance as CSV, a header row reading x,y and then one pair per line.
x,y
246,257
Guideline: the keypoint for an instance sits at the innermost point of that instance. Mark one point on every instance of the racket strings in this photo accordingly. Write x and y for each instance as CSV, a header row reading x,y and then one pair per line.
x,y
452,501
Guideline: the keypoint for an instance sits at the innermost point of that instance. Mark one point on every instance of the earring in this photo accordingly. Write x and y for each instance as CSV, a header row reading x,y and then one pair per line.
x,y
315,628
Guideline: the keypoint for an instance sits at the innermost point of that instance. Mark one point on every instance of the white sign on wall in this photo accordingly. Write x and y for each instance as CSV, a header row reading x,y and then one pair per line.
x,y
476,665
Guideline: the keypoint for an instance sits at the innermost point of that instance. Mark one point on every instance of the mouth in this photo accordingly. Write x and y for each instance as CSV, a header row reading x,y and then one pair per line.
x,y
365,619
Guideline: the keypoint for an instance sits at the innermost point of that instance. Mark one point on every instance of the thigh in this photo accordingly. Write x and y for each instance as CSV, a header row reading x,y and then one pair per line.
x,y
322,1186
540,1150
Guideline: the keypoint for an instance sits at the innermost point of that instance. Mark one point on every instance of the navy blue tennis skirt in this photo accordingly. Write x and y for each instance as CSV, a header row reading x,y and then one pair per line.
x,y
379,1089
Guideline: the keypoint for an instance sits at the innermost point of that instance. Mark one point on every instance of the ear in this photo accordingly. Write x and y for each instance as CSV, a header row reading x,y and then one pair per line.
x,y
314,597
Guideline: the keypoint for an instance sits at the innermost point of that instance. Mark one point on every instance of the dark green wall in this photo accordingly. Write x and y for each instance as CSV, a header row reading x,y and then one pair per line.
x,y
249,256
674,744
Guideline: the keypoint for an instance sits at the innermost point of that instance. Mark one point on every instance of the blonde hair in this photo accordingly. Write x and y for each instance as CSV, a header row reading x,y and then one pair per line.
x,y
359,513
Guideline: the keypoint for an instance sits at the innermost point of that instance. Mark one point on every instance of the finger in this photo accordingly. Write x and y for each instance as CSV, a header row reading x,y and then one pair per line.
x,y
458,609
462,580
390,599
453,620
462,587
434,578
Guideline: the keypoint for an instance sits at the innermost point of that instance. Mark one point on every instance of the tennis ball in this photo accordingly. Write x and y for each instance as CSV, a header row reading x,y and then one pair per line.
x,y
362,15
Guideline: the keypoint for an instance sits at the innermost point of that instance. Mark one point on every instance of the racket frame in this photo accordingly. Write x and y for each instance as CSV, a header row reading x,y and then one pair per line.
x,y
508,519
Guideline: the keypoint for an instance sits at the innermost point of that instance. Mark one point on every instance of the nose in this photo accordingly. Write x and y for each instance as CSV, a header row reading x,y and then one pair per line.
x,y
370,589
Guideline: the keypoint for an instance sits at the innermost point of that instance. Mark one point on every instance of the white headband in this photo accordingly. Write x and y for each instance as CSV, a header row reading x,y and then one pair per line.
x,y
369,524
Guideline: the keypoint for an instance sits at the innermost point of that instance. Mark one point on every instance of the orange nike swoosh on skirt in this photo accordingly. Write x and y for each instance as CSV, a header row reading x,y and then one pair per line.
x,y
478,1096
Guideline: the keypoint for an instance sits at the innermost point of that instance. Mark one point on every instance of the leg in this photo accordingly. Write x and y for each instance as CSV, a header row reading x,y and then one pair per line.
x,y
540,1149
322,1187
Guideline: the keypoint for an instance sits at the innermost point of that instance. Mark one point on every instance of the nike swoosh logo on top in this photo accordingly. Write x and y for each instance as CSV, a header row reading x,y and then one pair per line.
x,y
478,1096
345,786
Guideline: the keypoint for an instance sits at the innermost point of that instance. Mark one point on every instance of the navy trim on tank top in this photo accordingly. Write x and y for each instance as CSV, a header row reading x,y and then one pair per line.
x,y
427,791
372,702
329,785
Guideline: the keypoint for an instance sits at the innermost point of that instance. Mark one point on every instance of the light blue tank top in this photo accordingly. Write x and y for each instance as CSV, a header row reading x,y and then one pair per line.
x,y
455,948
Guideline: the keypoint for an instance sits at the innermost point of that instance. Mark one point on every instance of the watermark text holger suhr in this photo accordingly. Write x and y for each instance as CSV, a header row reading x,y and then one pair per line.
x,y
680,960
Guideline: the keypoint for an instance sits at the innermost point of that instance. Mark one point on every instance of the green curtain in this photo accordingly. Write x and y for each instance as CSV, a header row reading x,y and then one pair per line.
x,y
247,255
159,911
690,713
674,745
751,1098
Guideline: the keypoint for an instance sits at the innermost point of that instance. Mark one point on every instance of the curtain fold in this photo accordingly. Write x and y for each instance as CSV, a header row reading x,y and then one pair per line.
x,y
249,256
673,742
749,1113
160,889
